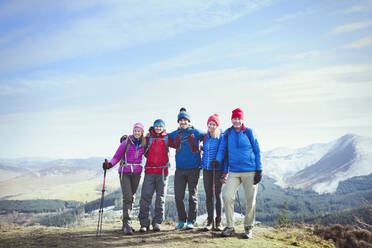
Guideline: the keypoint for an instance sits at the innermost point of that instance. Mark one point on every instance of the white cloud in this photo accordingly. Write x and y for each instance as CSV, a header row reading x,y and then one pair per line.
x,y
118,26
10,90
278,102
290,16
41,7
352,26
364,7
298,14
303,55
219,51
365,42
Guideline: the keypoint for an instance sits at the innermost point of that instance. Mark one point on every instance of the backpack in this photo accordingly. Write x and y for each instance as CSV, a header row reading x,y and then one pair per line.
x,y
150,142
247,132
122,161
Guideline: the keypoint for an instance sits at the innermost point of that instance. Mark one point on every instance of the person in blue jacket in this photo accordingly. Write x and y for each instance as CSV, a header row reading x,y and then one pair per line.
x,y
211,178
186,139
241,150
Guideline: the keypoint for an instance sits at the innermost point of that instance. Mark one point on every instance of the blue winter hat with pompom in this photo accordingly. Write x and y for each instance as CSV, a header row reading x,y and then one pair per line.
x,y
183,114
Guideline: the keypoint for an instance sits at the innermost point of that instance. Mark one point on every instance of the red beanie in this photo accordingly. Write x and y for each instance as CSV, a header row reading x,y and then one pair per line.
x,y
214,118
237,113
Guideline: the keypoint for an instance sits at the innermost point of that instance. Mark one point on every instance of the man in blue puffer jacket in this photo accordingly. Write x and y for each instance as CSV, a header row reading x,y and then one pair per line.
x,y
243,157
186,140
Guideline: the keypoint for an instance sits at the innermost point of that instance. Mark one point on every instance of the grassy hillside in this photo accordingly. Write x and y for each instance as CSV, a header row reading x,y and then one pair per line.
x,y
272,201
355,184
36,206
361,217
301,205
112,237
80,186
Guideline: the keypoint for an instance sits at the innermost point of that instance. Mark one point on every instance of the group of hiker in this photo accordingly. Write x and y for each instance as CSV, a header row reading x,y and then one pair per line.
x,y
231,157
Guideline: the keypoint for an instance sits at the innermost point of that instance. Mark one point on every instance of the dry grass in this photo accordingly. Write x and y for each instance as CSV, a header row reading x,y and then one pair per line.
x,y
345,236
38,236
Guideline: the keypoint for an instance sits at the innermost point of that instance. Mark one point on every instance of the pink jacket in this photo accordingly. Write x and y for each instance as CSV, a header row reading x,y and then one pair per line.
x,y
133,158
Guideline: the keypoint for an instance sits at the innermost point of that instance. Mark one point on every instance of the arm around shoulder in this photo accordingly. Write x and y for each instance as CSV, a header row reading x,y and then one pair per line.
x,y
222,148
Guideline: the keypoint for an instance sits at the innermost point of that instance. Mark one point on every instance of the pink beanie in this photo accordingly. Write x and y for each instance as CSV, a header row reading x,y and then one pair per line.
x,y
214,118
139,126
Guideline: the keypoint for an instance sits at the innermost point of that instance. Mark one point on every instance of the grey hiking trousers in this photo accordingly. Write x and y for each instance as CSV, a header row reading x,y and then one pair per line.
x,y
190,178
129,185
153,183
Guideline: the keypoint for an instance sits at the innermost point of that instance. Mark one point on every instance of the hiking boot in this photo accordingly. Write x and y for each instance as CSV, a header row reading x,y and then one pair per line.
x,y
228,232
189,225
127,229
180,225
156,227
144,229
208,227
248,232
218,226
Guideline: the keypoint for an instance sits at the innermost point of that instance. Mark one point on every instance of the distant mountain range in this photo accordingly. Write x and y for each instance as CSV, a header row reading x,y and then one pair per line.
x,y
320,167
65,179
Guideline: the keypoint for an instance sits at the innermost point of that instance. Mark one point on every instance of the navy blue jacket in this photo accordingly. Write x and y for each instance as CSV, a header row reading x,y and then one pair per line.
x,y
187,147
242,157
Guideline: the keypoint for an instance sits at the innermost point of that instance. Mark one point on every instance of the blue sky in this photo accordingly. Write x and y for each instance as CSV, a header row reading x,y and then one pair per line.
x,y
75,75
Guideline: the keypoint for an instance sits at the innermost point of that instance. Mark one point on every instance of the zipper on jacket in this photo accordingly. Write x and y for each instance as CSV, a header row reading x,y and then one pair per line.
x,y
209,151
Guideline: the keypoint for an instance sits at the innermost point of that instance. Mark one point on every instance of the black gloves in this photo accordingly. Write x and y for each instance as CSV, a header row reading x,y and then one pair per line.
x,y
106,165
215,163
257,177
223,178
124,137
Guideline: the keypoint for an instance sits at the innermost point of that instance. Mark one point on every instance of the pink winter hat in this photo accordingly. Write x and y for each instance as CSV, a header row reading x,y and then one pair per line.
x,y
215,118
139,126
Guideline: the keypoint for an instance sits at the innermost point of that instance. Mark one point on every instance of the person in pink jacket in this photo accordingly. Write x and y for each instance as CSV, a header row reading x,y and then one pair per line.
x,y
129,153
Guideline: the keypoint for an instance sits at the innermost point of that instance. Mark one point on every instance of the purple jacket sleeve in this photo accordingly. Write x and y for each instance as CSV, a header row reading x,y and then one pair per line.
x,y
119,153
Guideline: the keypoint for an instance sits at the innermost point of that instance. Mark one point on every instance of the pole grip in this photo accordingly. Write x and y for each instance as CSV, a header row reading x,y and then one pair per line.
x,y
104,178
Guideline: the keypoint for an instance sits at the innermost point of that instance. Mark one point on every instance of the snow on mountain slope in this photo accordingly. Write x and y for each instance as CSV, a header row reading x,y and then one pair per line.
x,y
350,156
282,163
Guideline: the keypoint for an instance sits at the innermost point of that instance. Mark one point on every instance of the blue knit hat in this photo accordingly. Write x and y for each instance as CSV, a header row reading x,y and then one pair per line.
x,y
159,122
183,114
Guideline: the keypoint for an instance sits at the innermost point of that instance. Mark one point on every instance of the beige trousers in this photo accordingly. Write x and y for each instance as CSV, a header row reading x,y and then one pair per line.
x,y
250,191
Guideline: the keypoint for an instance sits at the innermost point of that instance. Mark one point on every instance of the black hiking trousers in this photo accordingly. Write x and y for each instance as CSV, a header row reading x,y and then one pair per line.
x,y
189,177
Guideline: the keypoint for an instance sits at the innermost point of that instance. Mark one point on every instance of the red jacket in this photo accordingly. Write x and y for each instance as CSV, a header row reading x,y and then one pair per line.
x,y
157,154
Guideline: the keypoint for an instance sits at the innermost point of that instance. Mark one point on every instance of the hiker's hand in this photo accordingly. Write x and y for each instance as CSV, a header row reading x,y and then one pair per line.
x,y
124,137
223,178
257,177
215,163
106,165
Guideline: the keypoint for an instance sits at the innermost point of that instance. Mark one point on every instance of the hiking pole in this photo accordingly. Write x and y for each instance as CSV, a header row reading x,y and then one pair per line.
x,y
100,213
214,191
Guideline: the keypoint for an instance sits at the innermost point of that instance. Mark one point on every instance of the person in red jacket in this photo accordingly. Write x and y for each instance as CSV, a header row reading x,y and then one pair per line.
x,y
156,175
